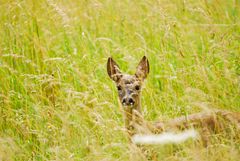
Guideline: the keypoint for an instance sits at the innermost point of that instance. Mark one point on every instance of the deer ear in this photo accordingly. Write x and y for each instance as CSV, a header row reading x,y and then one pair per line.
x,y
143,68
113,70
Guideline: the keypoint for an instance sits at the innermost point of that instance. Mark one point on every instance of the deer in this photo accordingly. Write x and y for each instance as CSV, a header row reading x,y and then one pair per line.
x,y
129,94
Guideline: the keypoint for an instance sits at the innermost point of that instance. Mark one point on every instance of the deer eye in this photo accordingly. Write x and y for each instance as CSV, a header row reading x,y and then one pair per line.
x,y
119,88
137,87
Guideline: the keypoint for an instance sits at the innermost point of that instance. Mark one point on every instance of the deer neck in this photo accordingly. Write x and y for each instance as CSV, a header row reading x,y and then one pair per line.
x,y
130,118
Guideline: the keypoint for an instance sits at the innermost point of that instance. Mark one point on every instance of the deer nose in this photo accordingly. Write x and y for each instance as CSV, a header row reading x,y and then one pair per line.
x,y
131,101
128,102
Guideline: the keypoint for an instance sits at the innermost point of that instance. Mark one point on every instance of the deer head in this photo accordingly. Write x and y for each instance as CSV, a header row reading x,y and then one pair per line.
x,y
128,86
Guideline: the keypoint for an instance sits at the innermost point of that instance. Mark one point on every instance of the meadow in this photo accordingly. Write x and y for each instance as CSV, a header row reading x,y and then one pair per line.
x,y
57,101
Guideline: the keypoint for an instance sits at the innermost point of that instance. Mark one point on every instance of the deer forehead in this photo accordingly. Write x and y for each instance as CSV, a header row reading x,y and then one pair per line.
x,y
127,79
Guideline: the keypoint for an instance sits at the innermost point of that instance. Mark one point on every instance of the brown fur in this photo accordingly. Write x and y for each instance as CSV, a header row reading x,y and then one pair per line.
x,y
210,122
129,87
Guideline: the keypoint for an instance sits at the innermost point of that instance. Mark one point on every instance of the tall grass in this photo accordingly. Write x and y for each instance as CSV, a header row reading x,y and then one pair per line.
x,y
57,102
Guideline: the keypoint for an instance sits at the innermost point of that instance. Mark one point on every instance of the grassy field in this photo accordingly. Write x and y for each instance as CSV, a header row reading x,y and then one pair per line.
x,y
57,101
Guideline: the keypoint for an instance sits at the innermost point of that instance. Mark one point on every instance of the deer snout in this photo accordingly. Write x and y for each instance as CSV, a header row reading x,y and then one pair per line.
x,y
128,101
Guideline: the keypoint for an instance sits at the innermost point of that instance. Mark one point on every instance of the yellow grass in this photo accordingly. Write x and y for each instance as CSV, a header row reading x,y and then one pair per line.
x,y
57,101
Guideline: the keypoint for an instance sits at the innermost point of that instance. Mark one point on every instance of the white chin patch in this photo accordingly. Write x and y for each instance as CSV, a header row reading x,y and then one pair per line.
x,y
126,106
